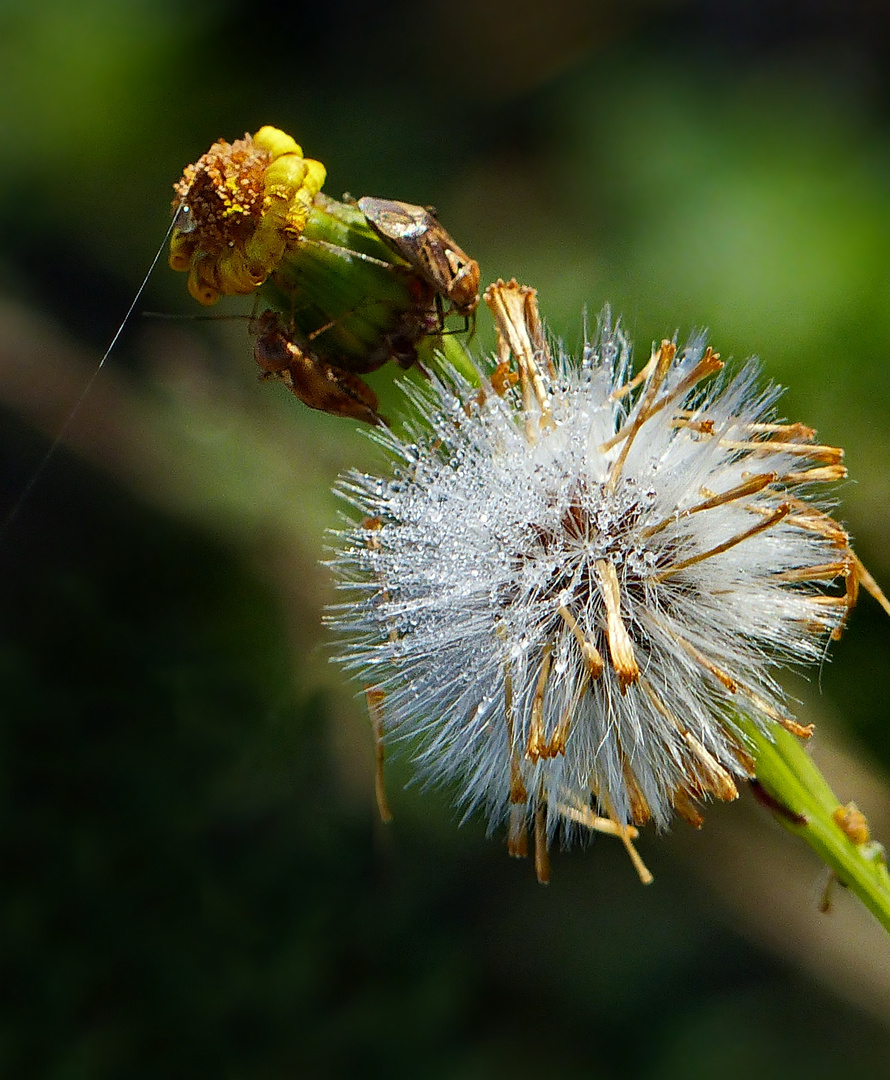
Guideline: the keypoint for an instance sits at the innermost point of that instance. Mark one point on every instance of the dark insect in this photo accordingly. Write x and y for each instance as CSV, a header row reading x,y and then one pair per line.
x,y
316,382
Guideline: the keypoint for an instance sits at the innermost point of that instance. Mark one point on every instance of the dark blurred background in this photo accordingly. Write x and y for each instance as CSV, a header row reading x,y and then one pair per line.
x,y
194,882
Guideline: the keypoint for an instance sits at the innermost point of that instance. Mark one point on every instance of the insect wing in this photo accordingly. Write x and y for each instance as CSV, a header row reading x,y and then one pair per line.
x,y
400,223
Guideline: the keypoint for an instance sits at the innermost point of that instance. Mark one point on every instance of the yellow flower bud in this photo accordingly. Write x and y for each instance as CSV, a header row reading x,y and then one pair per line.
x,y
240,207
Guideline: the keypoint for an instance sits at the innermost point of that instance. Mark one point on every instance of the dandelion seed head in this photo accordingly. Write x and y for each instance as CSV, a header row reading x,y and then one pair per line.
x,y
570,588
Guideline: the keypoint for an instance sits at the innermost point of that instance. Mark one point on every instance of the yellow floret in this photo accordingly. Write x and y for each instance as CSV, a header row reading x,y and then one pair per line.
x,y
247,201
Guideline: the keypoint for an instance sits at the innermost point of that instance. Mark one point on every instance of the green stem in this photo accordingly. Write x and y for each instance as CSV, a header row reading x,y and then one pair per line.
x,y
452,349
806,807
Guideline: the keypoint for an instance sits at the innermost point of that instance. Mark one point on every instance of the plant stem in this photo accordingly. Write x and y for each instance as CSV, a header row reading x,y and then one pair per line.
x,y
807,808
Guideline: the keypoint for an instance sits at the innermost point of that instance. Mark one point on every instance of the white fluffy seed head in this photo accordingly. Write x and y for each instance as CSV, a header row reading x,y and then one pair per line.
x,y
567,600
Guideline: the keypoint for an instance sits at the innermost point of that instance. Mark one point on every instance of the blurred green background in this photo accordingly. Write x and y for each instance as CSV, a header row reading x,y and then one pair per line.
x,y
194,882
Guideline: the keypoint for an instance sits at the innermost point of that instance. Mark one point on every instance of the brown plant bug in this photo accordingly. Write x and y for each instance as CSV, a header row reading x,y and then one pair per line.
x,y
316,382
416,234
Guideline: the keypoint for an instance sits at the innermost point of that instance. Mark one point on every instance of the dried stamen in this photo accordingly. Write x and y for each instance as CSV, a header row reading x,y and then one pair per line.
x,y
517,832
703,427
640,810
502,378
730,683
591,654
624,835
823,572
518,794
537,744
809,519
777,515
520,333
829,454
868,583
621,649
796,432
375,698
787,722
748,487
517,836
827,474
717,777
542,856
583,815
719,780
622,391
708,364
665,356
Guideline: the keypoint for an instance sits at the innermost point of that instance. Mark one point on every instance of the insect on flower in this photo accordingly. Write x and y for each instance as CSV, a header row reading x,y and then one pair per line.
x,y
317,383
251,219
577,581
420,238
